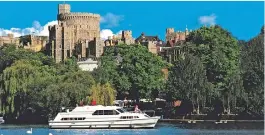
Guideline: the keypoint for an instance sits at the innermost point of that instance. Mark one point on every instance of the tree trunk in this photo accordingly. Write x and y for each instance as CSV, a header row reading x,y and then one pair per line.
x,y
198,105
228,105
224,103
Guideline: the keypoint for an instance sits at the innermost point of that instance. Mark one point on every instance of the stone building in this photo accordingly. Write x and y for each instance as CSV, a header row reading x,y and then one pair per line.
x,y
124,38
151,42
76,34
173,49
34,43
173,37
88,64
9,39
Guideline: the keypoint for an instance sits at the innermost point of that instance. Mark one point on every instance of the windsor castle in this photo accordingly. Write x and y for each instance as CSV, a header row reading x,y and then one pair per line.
x,y
78,34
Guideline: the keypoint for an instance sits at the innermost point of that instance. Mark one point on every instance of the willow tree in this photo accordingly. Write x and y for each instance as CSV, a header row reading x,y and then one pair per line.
x,y
103,94
14,82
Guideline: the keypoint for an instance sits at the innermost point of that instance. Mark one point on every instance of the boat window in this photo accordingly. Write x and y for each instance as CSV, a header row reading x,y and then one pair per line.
x,y
123,117
110,112
121,110
101,112
73,118
98,112
129,117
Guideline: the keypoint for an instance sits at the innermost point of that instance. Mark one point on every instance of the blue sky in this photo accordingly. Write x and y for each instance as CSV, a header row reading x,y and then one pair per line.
x,y
243,19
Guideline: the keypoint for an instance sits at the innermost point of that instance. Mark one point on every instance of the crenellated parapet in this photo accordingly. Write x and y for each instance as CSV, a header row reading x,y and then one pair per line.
x,y
77,15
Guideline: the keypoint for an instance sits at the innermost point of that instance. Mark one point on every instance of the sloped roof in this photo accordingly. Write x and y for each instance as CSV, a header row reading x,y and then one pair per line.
x,y
143,37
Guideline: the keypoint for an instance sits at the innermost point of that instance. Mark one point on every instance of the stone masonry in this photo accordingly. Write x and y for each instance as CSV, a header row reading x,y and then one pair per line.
x,y
76,34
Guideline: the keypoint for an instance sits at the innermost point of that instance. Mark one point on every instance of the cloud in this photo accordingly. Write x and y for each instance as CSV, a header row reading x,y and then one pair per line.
x,y
111,20
36,28
39,30
208,20
105,33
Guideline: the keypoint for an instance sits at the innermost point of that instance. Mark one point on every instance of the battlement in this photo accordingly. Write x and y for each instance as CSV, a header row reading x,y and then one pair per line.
x,y
74,15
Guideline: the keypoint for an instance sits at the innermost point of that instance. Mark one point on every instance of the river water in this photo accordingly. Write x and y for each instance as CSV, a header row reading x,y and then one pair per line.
x,y
160,129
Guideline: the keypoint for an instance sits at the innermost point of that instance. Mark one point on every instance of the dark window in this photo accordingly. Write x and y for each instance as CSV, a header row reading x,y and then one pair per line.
x,y
110,112
96,112
135,117
120,110
130,117
123,117
101,112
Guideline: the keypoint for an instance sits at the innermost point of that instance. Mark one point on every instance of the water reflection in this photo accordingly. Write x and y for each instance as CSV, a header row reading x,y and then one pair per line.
x,y
161,129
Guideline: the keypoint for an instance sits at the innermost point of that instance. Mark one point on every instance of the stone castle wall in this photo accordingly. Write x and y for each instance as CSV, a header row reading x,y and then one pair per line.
x,y
74,30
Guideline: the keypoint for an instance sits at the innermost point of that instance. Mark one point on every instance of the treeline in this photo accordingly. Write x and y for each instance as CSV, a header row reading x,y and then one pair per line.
x,y
216,69
33,88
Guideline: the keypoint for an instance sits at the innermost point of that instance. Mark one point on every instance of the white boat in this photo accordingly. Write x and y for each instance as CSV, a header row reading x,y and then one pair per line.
x,y
102,117
2,120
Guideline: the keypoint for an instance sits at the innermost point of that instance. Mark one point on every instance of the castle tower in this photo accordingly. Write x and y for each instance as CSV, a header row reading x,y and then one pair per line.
x,y
169,30
74,29
127,37
64,8
169,34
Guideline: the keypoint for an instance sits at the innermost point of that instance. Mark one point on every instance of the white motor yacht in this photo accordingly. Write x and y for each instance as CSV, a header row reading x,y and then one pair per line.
x,y
2,120
99,116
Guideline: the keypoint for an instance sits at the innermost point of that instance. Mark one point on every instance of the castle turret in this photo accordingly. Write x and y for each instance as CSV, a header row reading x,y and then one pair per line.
x,y
64,8
186,31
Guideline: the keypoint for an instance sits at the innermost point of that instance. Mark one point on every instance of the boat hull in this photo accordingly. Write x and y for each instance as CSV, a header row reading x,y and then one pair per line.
x,y
2,120
136,123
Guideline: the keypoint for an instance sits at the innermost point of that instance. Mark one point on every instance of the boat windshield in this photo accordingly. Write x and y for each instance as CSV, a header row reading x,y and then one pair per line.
x,y
121,110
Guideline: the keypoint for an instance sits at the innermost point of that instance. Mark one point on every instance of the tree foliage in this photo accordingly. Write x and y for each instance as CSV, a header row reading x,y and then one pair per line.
x,y
252,65
187,81
103,94
32,81
219,52
139,70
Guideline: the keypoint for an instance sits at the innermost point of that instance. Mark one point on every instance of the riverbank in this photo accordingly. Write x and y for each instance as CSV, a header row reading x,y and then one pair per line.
x,y
213,124
195,121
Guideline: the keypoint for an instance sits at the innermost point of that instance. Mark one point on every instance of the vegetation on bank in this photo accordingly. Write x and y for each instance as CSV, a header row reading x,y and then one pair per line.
x,y
217,68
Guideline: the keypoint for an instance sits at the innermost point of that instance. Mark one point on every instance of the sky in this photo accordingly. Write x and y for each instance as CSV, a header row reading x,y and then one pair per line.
x,y
243,19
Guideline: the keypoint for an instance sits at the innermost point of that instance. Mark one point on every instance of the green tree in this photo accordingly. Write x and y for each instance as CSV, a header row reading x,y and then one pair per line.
x,y
252,65
219,52
187,81
103,94
139,70
14,82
